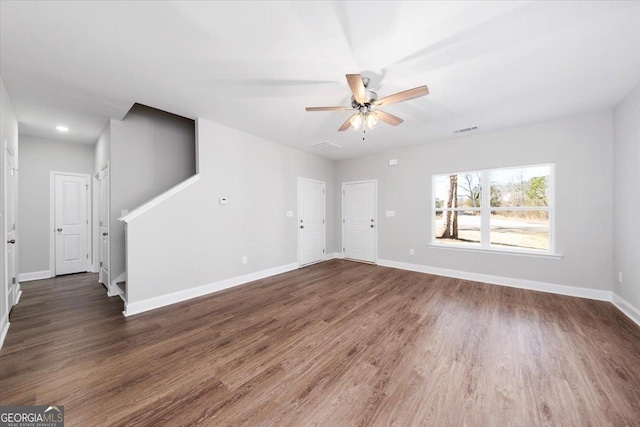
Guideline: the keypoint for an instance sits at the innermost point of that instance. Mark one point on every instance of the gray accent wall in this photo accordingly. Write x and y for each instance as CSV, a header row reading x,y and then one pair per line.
x,y
38,157
190,240
582,150
150,152
626,213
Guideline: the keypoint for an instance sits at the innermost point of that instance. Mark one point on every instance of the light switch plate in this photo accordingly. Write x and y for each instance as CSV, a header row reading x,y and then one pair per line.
x,y
290,214
224,201
393,162
390,213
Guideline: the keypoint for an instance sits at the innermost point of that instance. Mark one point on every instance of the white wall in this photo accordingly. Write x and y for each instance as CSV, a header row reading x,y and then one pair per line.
x,y
102,149
9,138
101,152
150,152
191,240
581,148
38,158
626,213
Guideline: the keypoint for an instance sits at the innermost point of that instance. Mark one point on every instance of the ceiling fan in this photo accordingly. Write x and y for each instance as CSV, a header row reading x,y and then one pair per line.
x,y
366,102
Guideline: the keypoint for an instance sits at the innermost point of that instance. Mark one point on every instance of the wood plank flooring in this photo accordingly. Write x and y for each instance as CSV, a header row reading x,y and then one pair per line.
x,y
335,344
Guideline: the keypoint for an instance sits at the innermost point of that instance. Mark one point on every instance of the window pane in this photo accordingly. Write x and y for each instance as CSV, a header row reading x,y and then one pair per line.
x,y
463,227
458,190
527,186
442,191
520,229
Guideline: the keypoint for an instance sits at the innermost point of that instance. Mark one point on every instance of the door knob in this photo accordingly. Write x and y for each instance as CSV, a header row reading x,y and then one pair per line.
x,y
302,226
59,229
105,234
12,241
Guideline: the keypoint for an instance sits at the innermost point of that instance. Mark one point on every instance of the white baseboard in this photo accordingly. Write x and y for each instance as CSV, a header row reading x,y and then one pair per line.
x,y
17,295
35,275
4,328
161,301
573,291
624,306
333,255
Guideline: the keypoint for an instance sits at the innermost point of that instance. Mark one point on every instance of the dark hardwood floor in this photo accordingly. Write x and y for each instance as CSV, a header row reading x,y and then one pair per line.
x,y
338,343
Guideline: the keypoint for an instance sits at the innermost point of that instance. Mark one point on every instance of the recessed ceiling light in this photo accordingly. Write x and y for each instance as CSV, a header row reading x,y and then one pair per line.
x,y
62,128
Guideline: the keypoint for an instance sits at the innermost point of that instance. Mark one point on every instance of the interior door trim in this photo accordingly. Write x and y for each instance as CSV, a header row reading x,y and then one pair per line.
x,y
101,175
52,217
375,217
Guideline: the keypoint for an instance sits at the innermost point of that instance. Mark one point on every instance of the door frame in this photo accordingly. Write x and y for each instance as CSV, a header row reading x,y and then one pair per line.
x,y
52,218
324,222
13,289
100,174
375,217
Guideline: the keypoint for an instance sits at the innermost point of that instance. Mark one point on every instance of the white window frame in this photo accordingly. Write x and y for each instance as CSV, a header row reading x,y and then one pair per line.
x,y
485,214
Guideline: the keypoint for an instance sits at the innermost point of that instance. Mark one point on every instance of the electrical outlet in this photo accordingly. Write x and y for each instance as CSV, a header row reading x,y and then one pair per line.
x,y
244,259
620,276
412,252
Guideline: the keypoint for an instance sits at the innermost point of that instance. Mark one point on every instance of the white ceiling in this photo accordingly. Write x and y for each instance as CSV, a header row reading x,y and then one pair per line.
x,y
254,66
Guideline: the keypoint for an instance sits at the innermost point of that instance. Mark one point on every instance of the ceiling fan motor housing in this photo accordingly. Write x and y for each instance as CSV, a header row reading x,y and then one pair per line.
x,y
371,98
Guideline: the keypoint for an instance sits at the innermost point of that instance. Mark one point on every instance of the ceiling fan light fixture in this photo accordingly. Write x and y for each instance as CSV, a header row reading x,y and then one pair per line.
x,y
370,119
356,122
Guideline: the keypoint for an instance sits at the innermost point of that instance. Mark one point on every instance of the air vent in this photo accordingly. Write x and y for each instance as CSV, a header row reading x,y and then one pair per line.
x,y
465,129
326,146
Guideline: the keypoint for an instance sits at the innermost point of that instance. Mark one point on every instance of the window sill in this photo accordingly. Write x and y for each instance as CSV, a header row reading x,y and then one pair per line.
x,y
494,251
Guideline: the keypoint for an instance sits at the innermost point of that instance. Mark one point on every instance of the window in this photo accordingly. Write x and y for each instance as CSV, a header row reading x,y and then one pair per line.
x,y
506,209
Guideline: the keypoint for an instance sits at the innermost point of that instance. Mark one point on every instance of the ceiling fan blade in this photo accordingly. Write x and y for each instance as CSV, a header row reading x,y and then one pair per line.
x,y
357,87
403,96
328,108
346,125
388,118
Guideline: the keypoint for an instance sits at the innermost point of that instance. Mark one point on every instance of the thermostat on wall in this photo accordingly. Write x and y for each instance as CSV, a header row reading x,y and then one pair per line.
x,y
224,201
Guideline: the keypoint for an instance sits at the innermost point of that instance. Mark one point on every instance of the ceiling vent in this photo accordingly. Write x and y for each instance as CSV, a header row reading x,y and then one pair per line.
x,y
326,146
465,129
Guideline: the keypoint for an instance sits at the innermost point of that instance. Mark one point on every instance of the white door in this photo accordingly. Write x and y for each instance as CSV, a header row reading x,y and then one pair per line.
x,y
311,221
11,180
359,221
103,229
71,223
